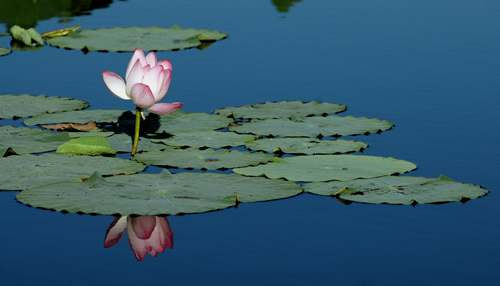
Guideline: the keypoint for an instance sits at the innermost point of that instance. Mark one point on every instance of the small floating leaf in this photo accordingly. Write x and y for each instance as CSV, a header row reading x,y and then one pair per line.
x,y
155,194
4,51
281,109
313,126
307,146
21,35
25,105
27,140
404,190
89,145
29,171
214,139
128,39
329,168
208,159
35,36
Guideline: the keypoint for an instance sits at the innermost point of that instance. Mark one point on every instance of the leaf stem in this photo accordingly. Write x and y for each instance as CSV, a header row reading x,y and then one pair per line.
x,y
138,112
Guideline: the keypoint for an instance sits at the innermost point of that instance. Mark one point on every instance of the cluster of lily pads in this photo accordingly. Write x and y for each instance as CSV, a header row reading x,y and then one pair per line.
x,y
262,152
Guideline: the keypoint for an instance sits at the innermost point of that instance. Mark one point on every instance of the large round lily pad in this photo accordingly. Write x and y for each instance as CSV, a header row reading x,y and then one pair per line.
x,y
25,105
27,140
180,121
329,168
307,146
404,190
29,171
313,126
207,159
123,143
83,116
281,109
128,39
156,194
214,139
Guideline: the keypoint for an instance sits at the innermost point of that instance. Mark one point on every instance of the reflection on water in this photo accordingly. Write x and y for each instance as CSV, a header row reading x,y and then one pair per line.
x,y
145,234
26,13
283,6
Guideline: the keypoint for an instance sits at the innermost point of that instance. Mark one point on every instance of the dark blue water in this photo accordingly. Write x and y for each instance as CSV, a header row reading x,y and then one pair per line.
x,y
431,67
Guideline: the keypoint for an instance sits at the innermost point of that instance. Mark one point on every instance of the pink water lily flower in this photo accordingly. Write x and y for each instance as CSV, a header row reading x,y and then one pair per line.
x,y
147,83
145,234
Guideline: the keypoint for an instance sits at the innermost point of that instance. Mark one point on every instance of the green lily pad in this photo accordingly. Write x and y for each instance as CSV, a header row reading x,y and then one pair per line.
x,y
403,190
329,168
25,105
74,135
89,145
29,171
157,194
313,126
180,121
214,139
83,116
25,140
4,51
281,109
123,143
307,146
128,39
208,159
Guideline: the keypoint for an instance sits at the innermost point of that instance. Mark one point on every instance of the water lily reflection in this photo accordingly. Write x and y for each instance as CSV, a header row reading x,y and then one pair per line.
x,y
145,234
283,6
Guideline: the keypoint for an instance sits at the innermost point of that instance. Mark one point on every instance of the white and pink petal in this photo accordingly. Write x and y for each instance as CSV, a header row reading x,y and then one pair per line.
x,y
115,84
165,108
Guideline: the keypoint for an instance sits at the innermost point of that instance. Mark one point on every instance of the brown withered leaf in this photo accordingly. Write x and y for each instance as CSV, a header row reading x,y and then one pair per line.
x,y
85,127
72,126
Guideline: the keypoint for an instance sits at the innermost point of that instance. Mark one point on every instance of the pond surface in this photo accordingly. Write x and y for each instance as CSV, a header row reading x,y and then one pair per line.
x,y
430,67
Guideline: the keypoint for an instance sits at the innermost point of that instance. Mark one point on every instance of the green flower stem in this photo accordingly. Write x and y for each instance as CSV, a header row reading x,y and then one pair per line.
x,y
137,129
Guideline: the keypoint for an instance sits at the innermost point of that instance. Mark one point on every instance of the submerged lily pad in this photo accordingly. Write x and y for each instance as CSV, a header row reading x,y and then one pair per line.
x,y
313,126
83,116
155,194
329,168
307,146
29,171
404,190
88,145
214,139
208,159
25,105
281,109
25,140
128,39
180,121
